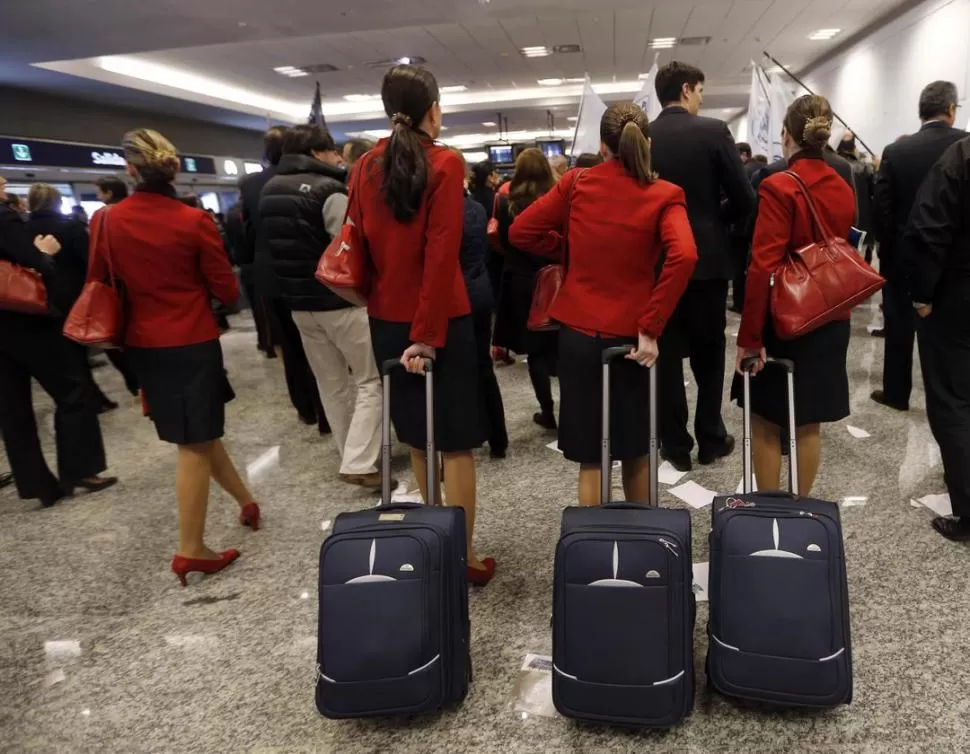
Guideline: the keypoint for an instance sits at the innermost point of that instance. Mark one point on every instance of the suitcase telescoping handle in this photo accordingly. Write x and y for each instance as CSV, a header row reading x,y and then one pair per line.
x,y
430,458
748,470
606,459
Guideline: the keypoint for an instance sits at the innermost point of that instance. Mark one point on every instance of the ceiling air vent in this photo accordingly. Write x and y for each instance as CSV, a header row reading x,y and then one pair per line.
x,y
405,60
567,49
319,68
695,41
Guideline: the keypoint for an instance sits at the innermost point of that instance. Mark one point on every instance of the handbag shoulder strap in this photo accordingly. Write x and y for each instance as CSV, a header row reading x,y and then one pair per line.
x,y
569,207
822,231
103,232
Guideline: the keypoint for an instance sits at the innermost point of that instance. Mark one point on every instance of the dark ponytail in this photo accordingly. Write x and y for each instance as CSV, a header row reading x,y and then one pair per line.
x,y
409,93
625,129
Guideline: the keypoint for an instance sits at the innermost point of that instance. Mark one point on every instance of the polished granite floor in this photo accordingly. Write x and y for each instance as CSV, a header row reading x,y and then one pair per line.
x,y
102,651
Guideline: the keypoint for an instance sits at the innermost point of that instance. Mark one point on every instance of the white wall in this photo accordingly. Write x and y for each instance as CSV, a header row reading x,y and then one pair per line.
x,y
875,85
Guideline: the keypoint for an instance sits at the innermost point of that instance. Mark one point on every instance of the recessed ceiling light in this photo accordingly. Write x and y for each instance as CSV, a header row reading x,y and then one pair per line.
x,y
572,118
284,69
550,82
536,52
663,43
490,124
824,34
452,89
576,80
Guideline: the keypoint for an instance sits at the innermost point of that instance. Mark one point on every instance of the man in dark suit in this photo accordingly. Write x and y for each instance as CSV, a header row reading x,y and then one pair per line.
x,y
283,333
698,154
905,164
934,264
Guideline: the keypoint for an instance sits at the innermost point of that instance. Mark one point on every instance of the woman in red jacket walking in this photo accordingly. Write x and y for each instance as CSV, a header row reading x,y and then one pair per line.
x,y
410,209
171,260
784,224
621,222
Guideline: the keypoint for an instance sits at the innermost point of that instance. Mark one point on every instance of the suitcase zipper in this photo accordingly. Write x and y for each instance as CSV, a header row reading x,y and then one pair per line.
x,y
669,545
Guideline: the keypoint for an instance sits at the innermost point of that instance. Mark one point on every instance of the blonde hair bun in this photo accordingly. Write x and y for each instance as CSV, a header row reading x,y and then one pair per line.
x,y
818,131
152,155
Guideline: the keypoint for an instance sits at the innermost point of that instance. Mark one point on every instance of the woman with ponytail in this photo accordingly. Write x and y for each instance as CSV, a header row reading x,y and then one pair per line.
x,y
409,206
621,222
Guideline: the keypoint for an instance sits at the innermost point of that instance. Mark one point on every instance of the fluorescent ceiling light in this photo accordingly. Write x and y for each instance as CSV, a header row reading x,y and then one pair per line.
x,y
476,156
490,124
474,140
551,82
823,34
452,89
572,118
293,73
663,43
284,69
536,52
361,97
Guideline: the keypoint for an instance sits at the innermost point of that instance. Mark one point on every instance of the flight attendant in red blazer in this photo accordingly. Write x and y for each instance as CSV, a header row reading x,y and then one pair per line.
x,y
784,224
171,261
621,222
411,212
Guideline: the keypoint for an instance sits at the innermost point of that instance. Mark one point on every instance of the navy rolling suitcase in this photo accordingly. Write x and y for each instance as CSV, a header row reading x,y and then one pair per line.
x,y
779,602
394,634
623,607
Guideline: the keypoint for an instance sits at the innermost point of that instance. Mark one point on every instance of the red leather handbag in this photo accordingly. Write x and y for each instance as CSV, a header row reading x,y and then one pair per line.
x,y
492,230
820,282
549,282
22,289
344,266
97,317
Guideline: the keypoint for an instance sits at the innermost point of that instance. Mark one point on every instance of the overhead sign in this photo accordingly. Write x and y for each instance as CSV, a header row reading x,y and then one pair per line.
x,y
59,154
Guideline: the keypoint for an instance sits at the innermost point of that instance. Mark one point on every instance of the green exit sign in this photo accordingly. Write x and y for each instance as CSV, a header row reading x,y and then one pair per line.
x,y
21,153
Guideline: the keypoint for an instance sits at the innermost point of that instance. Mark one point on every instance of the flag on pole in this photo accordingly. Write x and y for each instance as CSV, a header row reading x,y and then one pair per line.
x,y
587,135
780,97
316,110
759,112
647,98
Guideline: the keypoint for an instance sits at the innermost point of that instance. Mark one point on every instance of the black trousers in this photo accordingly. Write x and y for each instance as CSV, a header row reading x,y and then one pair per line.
x,y
945,358
33,347
696,332
119,362
300,382
897,369
498,436
264,339
739,256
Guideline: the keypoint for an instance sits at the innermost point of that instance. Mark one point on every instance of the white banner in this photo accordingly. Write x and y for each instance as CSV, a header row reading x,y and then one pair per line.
x,y
647,98
759,112
591,109
780,97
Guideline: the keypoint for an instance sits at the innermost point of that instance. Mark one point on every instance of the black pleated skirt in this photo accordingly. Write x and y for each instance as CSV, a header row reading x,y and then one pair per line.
x,y
186,390
581,400
460,422
821,381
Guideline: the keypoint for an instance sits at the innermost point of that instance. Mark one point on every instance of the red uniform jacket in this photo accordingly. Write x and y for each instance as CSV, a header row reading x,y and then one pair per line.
x,y
785,224
172,262
417,274
618,232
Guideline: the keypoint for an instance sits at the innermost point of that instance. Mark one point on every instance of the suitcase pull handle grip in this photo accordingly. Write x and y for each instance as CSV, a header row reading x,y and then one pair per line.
x,y
391,364
748,363
613,353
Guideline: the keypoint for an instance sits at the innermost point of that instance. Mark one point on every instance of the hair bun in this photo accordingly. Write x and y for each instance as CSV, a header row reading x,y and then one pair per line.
x,y
818,130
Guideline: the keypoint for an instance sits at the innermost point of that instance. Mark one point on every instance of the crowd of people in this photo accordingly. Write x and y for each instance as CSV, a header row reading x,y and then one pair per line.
x,y
653,232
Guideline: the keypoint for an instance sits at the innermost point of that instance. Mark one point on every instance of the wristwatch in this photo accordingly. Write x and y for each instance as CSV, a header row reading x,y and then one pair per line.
x,y
919,305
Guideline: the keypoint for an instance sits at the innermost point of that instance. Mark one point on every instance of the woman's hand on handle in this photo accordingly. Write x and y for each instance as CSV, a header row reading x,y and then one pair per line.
x,y
646,352
414,356
745,353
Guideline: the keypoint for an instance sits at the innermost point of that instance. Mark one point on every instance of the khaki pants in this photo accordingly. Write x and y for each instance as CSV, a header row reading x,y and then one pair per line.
x,y
338,347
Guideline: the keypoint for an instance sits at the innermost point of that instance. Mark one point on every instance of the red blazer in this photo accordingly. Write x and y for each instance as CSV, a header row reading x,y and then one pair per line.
x,y
618,232
172,262
784,224
417,274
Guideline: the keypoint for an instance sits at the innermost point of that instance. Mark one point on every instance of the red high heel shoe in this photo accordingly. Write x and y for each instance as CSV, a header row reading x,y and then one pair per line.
x,y
481,576
182,566
249,516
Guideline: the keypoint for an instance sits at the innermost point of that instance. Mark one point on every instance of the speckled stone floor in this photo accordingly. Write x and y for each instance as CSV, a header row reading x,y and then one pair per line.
x,y
102,651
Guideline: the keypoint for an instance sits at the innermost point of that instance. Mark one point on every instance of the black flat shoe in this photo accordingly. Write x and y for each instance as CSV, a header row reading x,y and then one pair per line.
x,y
679,461
545,420
53,499
6,479
707,457
497,452
955,529
880,397
92,487
106,406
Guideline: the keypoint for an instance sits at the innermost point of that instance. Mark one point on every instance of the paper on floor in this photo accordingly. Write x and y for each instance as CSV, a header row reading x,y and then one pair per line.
x,y
854,501
554,445
740,489
693,494
701,574
263,465
939,504
401,495
667,474
859,434
871,328
325,525
533,687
